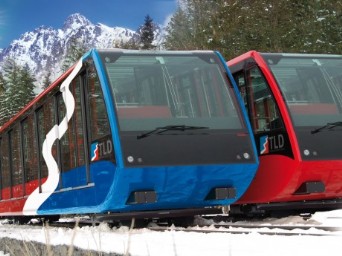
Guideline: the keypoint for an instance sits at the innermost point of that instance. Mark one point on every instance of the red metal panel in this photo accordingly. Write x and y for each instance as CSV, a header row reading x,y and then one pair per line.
x,y
278,176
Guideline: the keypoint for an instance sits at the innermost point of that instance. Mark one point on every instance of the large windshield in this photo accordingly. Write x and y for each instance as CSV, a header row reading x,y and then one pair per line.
x,y
161,89
311,86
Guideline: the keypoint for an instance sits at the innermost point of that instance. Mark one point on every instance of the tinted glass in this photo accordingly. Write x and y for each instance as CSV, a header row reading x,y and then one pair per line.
x,y
170,89
311,86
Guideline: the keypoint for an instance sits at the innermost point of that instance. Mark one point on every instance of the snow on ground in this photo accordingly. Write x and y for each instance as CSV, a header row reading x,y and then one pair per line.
x,y
177,243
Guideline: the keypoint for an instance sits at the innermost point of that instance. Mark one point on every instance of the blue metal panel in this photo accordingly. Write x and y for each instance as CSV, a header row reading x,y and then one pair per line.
x,y
176,187
69,199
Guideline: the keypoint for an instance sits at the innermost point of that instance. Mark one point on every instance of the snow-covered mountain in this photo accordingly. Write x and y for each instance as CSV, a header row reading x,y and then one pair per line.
x,y
44,48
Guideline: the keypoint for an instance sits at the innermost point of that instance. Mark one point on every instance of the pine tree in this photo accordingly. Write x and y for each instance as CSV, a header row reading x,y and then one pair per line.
x,y
3,111
2,84
327,36
132,44
191,27
147,34
11,71
46,81
179,32
75,50
26,86
234,27
18,89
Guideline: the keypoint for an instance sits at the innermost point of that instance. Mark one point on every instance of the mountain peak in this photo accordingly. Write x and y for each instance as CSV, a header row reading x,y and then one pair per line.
x,y
76,20
45,48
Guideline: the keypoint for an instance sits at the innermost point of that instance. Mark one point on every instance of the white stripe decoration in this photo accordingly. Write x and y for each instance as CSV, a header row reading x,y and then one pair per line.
x,y
36,199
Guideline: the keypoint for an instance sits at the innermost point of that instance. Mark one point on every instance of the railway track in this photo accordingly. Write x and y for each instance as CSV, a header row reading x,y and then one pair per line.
x,y
284,230
233,228
224,225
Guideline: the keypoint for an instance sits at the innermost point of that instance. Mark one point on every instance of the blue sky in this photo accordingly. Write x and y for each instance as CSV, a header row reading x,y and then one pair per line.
x,y
20,16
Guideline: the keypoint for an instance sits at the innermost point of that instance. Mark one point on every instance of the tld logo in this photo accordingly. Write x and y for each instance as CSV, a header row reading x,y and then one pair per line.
x,y
101,150
270,144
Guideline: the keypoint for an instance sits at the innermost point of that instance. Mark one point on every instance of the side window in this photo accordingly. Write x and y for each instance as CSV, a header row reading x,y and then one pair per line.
x,y
259,101
241,83
5,170
99,124
78,123
67,159
16,163
30,149
72,142
41,134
